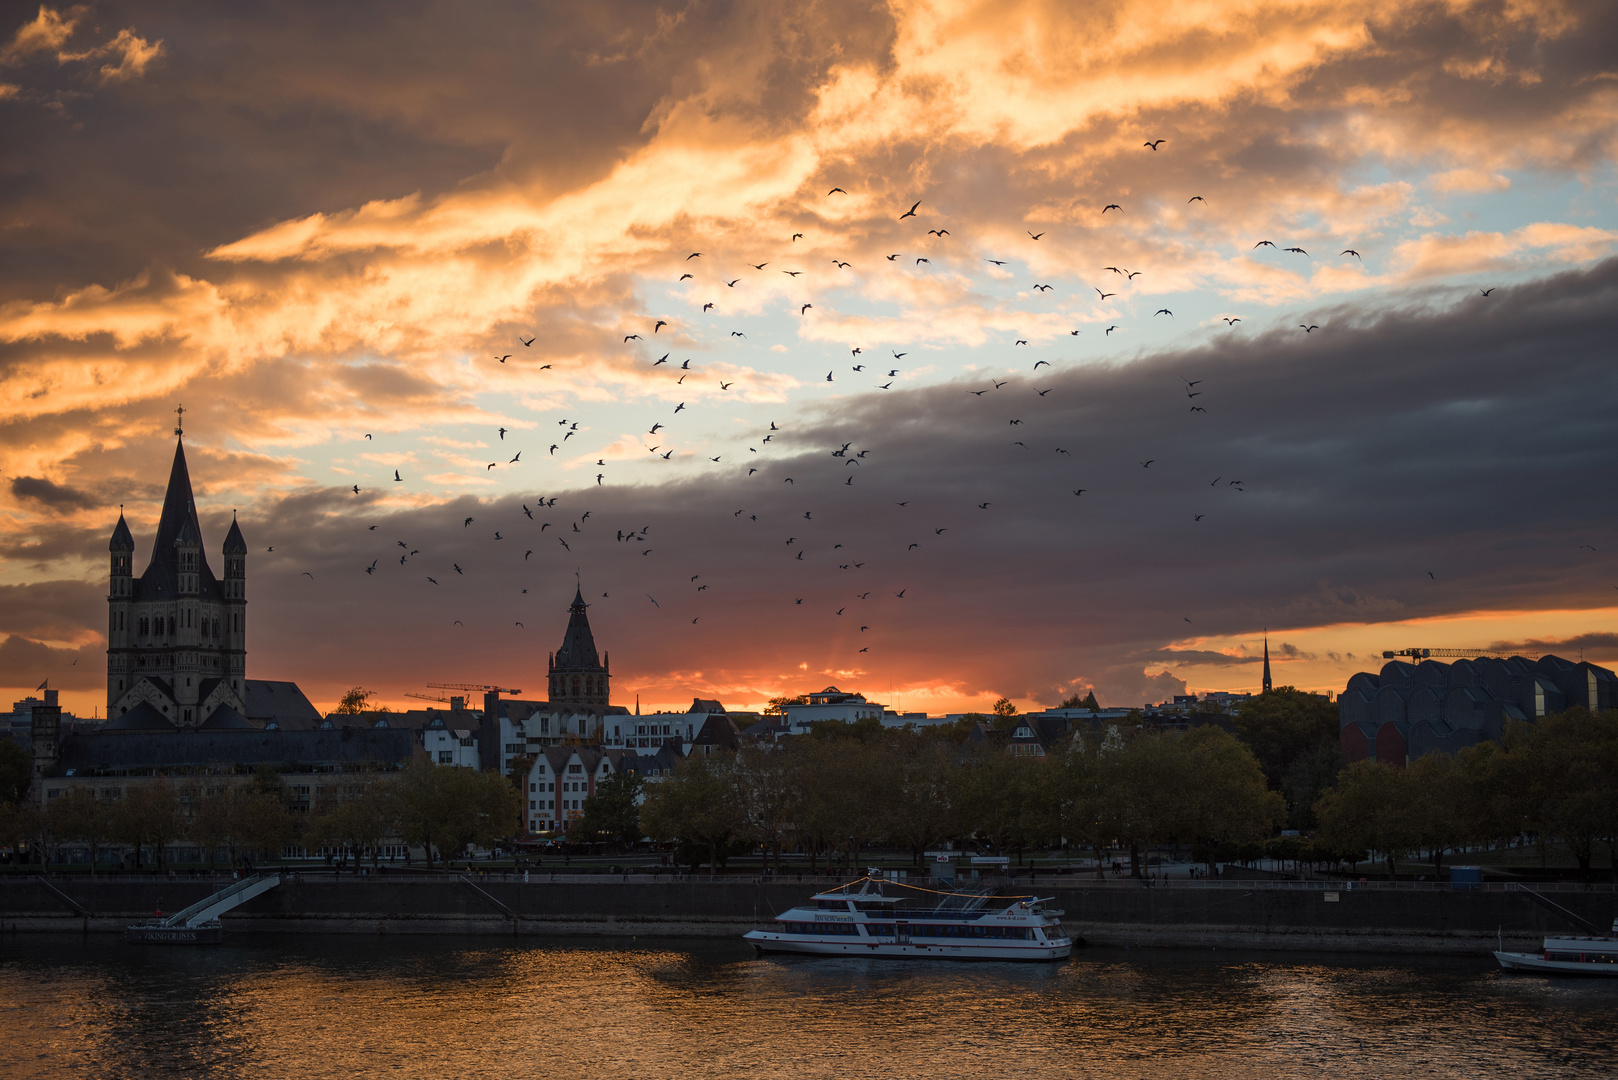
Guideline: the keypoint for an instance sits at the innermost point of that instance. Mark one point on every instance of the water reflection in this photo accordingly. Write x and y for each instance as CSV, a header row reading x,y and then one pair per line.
x,y
348,1007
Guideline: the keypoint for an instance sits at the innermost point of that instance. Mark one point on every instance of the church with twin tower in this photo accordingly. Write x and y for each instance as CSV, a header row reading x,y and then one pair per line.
x,y
177,635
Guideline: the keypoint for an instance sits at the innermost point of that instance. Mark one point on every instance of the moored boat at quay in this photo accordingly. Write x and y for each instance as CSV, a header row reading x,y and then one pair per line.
x,y
860,919
1568,956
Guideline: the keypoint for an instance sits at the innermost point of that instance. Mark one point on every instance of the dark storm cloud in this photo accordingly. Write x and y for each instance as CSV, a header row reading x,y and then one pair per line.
x,y
259,114
53,495
1602,647
53,610
25,663
1459,439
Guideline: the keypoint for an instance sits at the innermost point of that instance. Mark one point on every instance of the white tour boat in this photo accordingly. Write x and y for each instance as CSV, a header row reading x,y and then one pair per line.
x,y
858,919
1568,956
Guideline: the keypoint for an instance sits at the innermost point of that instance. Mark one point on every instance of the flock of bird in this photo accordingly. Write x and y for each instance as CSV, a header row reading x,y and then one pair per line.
x,y
800,538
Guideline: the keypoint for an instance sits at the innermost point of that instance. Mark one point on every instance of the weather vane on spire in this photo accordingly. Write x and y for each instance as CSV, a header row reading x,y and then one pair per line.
x,y
179,420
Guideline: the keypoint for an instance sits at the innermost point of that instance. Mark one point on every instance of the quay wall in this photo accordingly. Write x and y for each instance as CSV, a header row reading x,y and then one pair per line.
x,y
1283,915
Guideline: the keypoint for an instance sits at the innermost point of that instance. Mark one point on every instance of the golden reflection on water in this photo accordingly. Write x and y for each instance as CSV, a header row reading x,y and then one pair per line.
x,y
357,1007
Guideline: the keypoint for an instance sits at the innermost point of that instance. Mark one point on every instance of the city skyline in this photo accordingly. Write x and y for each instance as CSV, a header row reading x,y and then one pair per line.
x,y
434,248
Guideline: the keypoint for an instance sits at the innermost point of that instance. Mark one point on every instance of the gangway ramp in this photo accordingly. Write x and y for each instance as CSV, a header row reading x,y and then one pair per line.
x,y
199,923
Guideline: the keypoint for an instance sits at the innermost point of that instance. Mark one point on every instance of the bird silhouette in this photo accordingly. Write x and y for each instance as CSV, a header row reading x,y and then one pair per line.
x,y
1155,143
911,212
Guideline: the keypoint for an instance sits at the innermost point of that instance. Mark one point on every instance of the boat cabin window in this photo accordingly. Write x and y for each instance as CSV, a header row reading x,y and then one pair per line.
x,y
872,905
832,905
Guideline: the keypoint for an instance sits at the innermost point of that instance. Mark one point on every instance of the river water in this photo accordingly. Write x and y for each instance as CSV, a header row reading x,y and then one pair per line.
x,y
271,1007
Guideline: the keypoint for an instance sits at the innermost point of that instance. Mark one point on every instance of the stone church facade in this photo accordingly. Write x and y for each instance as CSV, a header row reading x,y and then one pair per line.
x,y
177,634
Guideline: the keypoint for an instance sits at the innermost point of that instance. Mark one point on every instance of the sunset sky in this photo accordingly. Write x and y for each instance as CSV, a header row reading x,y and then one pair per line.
x,y
321,227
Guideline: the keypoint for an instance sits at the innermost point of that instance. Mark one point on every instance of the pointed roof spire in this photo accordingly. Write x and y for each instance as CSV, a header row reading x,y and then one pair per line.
x,y
1266,660
121,538
578,649
234,544
179,518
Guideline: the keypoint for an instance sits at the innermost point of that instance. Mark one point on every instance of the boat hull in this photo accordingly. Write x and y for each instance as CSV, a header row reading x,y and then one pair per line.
x,y
1044,952
1510,961
175,935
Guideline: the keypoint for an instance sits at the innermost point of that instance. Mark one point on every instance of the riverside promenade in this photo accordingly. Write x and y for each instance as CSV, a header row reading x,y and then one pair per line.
x,y
1426,917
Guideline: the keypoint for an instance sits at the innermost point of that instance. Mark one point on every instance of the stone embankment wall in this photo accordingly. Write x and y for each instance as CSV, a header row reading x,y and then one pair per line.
x,y
1424,918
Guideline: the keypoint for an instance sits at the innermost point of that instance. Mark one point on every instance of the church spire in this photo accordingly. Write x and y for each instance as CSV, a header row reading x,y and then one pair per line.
x,y
1266,661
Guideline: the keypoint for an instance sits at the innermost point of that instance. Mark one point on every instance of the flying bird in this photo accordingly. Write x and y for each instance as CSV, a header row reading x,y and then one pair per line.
x,y
1112,206
1163,311
1485,292
1308,329
835,191
1296,250
1104,295
1195,198
1263,243
1351,251
1034,236
1154,144
911,212
504,358
693,255
1147,464
805,308
1233,322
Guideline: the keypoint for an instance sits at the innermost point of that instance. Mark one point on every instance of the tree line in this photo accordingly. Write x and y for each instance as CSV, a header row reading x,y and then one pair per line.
x,y
1552,782
441,809
846,787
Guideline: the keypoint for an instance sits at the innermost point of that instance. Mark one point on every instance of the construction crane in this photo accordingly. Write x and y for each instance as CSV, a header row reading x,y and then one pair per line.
x,y
427,697
476,688
1462,654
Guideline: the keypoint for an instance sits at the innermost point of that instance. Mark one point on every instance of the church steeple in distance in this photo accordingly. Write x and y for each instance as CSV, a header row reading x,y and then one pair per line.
x,y
579,676
1266,660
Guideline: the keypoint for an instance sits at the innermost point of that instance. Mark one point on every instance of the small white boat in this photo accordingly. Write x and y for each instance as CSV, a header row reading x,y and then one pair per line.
x,y
1568,956
858,919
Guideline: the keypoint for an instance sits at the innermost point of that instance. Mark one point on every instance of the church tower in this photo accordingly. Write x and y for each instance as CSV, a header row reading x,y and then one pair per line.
x,y
176,638
578,677
1266,661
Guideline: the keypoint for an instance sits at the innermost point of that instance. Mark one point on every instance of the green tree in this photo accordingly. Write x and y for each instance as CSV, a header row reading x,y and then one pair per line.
x,y
243,818
364,822
612,812
1434,799
1225,798
354,702
924,788
1308,775
1367,810
1283,725
1086,702
148,815
82,818
1565,774
449,808
778,705
16,772
698,805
